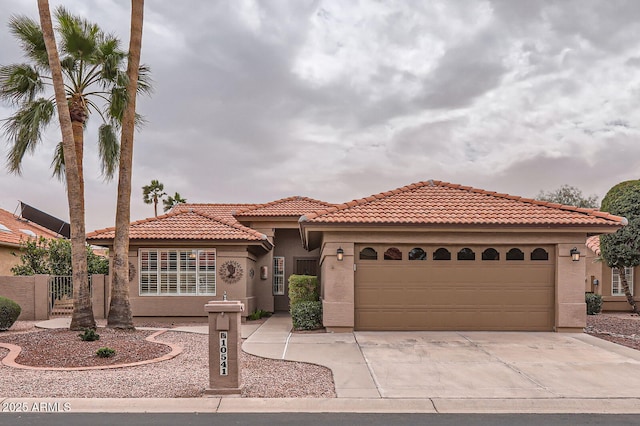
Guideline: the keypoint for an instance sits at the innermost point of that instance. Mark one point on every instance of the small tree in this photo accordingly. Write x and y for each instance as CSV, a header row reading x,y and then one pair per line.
x,y
570,196
172,201
622,248
152,194
42,256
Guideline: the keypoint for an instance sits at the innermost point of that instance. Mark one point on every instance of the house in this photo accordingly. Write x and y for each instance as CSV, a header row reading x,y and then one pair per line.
x,y
427,256
605,281
15,230
207,251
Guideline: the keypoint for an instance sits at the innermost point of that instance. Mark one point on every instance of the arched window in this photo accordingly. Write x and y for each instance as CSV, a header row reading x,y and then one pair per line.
x,y
539,254
417,254
466,254
368,254
441,254
490,254
515,254
393,253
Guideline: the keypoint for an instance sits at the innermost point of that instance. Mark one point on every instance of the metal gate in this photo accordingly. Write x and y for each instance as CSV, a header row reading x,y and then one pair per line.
x,y
61,295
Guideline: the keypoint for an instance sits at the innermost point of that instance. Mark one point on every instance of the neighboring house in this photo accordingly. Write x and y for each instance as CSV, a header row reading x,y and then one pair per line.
x,y
608,280
13,231
427,256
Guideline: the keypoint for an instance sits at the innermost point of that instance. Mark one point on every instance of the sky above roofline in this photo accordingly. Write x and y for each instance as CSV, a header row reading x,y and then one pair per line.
x,y
259,101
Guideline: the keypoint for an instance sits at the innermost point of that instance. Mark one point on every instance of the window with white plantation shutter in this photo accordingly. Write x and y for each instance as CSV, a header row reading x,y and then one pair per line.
x,y
180,272
616,282
278,276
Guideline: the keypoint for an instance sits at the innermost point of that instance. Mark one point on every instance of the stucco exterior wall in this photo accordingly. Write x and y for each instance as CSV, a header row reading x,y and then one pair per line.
x,y
30,292
8,259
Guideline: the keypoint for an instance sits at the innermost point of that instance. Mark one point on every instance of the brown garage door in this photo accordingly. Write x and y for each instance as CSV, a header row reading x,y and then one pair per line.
x,y
473,288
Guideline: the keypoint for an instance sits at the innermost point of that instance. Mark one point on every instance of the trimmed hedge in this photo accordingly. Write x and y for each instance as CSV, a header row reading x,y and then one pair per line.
x,y
303,288
594,303
306,315
9,313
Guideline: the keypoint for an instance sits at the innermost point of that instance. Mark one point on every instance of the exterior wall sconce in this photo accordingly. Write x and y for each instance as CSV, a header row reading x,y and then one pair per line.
x,y
575,254
340,254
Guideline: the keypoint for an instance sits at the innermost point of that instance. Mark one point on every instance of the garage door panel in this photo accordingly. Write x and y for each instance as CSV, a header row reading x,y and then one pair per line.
x,y
455,295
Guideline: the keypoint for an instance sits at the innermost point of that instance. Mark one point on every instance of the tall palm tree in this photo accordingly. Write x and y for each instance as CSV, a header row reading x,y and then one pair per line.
x,y
82,310
120,315
172,201
153,193
94,81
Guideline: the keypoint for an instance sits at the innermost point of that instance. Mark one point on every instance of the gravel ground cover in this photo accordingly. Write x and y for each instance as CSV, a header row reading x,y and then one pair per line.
x,y
185,376
620,328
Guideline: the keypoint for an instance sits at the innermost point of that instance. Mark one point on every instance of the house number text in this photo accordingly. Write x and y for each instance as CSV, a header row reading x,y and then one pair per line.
x,y
224,364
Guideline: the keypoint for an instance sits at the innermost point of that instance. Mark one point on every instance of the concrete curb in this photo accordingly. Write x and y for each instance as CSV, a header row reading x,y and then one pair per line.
x,y
333,405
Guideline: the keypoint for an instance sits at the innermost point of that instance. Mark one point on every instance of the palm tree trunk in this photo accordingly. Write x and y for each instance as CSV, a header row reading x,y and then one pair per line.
x,y
82,308
627,290
78,138
120,315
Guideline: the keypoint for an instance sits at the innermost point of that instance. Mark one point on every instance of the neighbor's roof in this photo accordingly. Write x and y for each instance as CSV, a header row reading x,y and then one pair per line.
x,y
224,211
593,244
14,229
292,206
185,225
443,203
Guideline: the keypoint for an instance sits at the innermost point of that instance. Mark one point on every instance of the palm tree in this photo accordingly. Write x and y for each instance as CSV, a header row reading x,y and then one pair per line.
x,y
82,309
94,82
172,201
153,193
120,315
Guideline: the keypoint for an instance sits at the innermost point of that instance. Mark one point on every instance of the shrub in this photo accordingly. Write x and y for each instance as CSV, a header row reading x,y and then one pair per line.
x,y
259,313
306,315
105,352
89,335
594,303
303,288
9,313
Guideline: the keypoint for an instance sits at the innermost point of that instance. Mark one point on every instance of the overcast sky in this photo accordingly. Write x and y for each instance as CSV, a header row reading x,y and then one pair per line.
x,y
335,100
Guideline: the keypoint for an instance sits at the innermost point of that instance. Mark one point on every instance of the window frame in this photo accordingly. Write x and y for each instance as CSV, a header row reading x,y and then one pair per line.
x,y
615,281
177,269
278,286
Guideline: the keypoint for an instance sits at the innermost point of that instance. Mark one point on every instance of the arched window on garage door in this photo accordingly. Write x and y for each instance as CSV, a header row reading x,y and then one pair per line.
x,y
368,253
491,254
466,254
393,253
417,254
539,254
515,254
441,254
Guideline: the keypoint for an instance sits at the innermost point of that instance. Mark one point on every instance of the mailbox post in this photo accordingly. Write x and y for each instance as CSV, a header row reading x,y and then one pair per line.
x,y
224,347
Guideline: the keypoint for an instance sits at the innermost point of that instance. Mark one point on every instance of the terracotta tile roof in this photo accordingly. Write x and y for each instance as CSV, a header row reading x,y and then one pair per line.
x,y
184,225
224,211
18,229
593,244
442,203
292,206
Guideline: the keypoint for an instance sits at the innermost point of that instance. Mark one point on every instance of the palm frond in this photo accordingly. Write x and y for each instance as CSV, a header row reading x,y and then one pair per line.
x,y
19,83
79,37
109,149
118,103
24,129
29,35
144,80
57,164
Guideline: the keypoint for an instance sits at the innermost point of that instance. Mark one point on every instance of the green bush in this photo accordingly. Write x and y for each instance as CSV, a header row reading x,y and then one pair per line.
x,y
594,303
9,313
259,313
89,335
105,352
303,288
306,315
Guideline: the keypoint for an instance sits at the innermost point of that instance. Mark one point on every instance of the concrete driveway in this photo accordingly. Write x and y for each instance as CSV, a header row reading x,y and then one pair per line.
x,y
499,365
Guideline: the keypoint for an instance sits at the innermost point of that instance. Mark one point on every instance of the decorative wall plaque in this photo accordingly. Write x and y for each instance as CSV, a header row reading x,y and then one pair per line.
x,y
251,273
231,272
